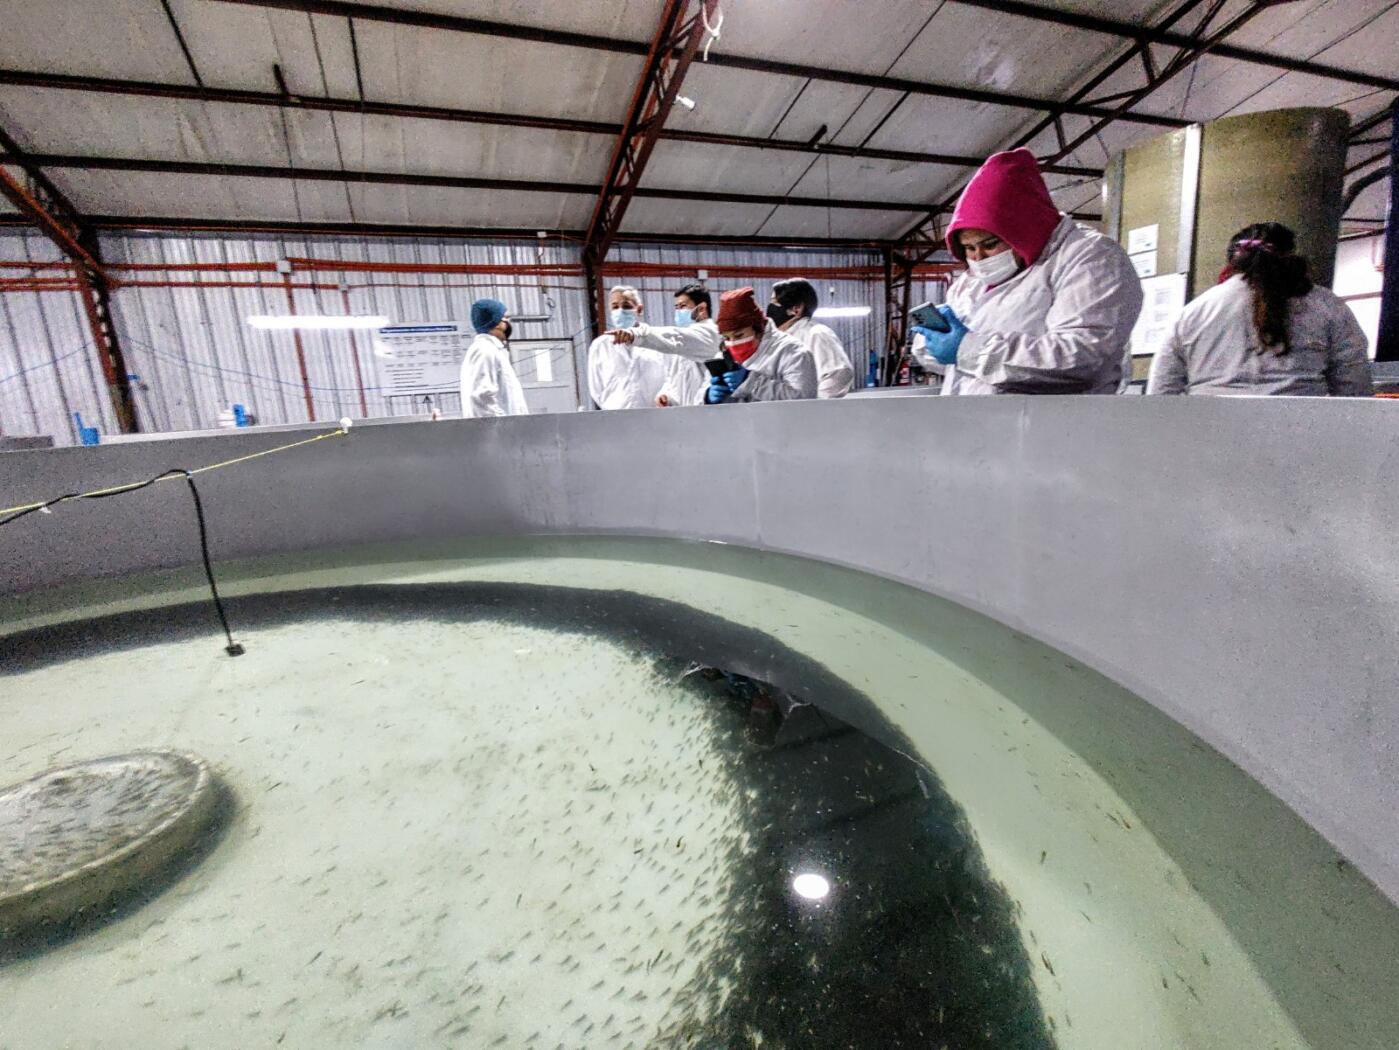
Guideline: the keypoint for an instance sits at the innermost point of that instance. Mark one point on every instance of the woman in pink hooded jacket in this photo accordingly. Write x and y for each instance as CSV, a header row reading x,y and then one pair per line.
x,y
1046,306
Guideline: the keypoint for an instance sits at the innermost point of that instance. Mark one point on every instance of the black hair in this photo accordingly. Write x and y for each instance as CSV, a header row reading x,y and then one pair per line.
x,y
797,291
697,294
1265,254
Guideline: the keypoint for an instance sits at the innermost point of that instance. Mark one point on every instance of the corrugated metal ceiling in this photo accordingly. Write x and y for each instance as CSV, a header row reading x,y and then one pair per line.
x,y
235,46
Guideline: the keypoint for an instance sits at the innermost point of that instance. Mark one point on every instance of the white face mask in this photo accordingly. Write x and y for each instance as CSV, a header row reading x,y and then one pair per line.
x,y
994,269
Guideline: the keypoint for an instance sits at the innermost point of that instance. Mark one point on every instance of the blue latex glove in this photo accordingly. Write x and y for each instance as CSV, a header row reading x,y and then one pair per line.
x,y
733,380
942,346
717,393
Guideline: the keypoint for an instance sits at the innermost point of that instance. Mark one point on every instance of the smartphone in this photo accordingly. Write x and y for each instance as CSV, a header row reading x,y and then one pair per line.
x,y
719,365
926,315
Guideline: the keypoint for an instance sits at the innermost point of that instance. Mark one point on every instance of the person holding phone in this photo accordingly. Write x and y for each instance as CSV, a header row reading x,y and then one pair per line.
x,y
925,320
1046,306
760,362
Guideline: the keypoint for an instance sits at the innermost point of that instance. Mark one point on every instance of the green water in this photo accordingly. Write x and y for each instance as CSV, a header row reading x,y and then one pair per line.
x,y
402,785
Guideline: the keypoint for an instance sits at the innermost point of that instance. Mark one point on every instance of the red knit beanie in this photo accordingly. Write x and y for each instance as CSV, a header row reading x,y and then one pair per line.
x,y
739,309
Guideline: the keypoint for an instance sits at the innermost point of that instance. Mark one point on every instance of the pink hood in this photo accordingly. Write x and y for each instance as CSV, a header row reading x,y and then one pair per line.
x,y
1008,197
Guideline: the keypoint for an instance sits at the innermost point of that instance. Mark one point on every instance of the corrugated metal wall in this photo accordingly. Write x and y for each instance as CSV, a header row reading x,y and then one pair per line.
x,y
193,354
48,367
196,355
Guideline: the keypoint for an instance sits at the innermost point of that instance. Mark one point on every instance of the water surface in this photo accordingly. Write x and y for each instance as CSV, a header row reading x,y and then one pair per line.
x,y
483,799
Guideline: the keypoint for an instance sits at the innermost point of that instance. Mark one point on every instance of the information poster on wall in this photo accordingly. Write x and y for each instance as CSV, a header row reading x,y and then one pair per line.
x,y
1164,298
421,358
1141,246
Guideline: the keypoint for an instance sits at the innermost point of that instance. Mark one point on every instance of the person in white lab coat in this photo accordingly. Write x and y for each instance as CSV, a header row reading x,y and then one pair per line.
x,y
622,374
1264,329
769,365
793,306
684,346
489,385
1046,307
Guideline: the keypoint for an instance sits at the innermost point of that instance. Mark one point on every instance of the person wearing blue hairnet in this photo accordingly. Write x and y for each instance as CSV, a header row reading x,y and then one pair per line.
x,y
489,385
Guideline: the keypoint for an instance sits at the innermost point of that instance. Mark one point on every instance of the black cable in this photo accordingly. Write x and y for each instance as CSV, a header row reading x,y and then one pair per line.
x,y
232,648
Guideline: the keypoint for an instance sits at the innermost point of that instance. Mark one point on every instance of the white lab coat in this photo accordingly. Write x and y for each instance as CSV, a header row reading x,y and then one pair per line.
x,y
1213,348
835,377
622,375
781,370
686,382
684,350
1061,326
489,385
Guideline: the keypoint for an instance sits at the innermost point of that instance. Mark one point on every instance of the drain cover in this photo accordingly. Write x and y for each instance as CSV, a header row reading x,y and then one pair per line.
x,y
74,839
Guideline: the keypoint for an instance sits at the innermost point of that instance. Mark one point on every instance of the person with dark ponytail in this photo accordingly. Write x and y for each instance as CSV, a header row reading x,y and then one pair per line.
x,y
1264,329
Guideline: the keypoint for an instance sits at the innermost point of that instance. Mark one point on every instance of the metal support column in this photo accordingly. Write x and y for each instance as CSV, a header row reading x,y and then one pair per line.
x,y
1387,345
676,43
592,283
300,355
898,289
97,306
43,204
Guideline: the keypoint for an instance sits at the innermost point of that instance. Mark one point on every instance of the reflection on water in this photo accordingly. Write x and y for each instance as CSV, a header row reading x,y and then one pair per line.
x,y
501,804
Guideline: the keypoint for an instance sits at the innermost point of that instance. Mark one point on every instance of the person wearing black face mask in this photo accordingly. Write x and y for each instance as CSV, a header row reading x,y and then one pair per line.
x,y
794,302
489,385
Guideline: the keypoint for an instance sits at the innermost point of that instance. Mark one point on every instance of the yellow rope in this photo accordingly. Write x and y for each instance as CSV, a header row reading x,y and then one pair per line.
x,y
6,511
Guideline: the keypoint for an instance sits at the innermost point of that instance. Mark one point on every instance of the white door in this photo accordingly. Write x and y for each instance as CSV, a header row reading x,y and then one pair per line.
x,y
545,368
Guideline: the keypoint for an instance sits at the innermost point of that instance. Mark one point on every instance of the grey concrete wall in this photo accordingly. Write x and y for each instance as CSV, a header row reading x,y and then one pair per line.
x,y
1232,561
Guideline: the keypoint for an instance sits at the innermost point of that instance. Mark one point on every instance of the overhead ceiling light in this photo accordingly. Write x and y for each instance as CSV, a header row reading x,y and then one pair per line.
x,y
320,321
811,886
842,311
688,103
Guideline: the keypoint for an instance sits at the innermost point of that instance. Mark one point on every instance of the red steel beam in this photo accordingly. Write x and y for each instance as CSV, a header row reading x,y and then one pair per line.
x,y
676,43
49,224
48,208
300,355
